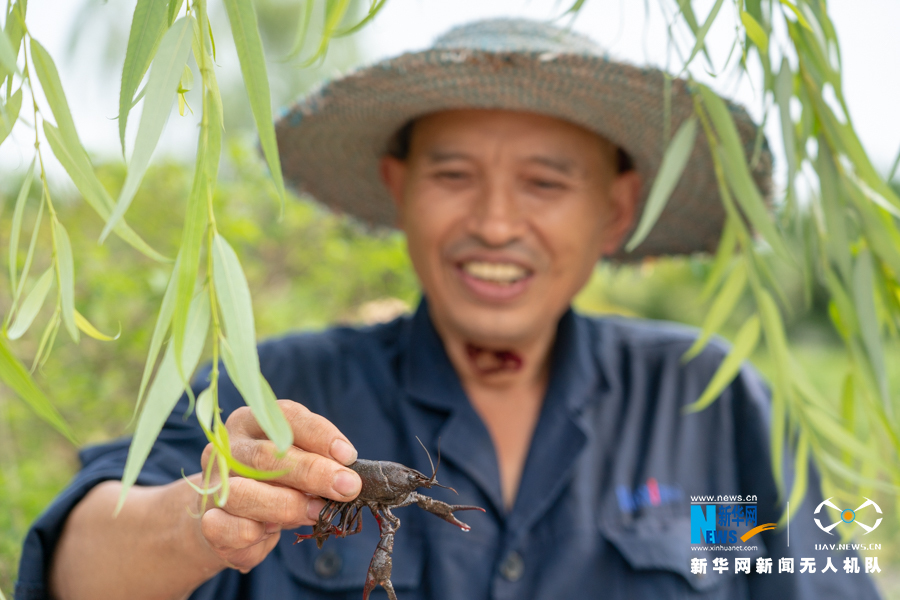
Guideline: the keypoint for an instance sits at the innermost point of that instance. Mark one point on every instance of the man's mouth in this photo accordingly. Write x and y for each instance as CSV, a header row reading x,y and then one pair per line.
x,y
502,273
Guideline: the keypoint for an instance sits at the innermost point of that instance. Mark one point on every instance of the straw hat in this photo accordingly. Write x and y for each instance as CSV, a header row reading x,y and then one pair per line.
x,y
331,141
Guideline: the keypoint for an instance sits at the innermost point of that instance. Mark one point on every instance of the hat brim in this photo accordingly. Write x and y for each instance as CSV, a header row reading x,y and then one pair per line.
x,y
331,141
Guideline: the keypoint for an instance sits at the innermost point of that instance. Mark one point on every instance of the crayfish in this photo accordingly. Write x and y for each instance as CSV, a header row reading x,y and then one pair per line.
x,y
385,485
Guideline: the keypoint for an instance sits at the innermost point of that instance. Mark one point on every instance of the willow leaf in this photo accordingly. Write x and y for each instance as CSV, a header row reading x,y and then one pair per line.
x,y
784,90
7,54
205,407
65,269
16,376
755,32
256,80
374,9
721,309
881,234
237,317
701,33
148,25
724,254
86,326
31,246
18,214
864,301
302,29
53,91
208,151
31,306
174,7
673,163
165,73
829,428
77,164
800,18
801,471
9,116
164,393
47,339
744,345
163,320
834,211
751,201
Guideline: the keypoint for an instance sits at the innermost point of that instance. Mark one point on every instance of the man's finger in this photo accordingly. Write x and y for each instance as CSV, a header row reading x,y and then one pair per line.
x,y
312,432
305,471
225,531
267,503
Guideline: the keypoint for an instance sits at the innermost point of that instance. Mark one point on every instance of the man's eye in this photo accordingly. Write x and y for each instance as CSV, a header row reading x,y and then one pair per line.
x,y
452,175
546,184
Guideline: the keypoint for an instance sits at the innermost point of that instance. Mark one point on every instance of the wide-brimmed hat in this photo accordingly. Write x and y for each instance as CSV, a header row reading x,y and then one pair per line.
x,y
331,141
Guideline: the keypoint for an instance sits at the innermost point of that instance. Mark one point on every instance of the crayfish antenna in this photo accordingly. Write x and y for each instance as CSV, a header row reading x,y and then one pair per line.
x,y
433,468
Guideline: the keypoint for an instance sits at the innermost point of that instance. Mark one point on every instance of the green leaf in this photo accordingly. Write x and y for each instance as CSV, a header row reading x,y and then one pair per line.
x,y
18,213
208,152
302,29
174,7
701,33
866,312
784,91
14,374
744,344
834,210
375,8
673,163
164,393
11,113
755,32
256,80
31,306
53,91
77,164
237,317
86,326
800,18
721,309
205,407
751,201
7,54
165,74
66,272
47,339
724,254
159,333
148,25
801,471
31,245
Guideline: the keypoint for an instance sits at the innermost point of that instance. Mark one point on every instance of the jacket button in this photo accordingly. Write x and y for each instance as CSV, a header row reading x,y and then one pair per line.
x,y
513,567
327,564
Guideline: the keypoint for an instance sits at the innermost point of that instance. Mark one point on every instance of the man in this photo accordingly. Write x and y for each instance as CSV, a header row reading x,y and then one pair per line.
x,y
511,172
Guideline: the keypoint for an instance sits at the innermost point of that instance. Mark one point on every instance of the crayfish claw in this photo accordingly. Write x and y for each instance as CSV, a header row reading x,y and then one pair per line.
x,y
444,510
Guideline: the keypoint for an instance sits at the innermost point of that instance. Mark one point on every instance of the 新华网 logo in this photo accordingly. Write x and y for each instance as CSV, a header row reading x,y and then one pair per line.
x,y
847,516
725,522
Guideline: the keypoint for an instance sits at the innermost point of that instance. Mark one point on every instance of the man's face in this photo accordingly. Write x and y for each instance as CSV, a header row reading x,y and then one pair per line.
x,y
505,215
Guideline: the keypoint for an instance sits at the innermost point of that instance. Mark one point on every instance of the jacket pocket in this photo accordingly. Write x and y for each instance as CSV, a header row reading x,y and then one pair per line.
x,y
660,555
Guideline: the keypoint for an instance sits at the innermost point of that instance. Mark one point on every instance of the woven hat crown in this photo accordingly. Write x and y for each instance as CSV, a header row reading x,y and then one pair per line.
x,y
516,35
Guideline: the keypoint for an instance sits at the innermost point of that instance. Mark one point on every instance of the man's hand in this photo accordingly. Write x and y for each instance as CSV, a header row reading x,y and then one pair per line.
x,y
247,528
157,549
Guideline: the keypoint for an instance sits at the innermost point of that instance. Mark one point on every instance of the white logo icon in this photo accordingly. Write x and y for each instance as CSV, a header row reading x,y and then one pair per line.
x,y
848,516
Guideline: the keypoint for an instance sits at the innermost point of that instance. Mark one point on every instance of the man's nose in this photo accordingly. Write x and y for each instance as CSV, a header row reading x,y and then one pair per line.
x,y
497,217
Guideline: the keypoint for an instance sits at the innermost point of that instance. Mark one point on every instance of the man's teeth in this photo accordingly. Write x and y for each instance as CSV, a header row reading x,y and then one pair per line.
x,y
495,272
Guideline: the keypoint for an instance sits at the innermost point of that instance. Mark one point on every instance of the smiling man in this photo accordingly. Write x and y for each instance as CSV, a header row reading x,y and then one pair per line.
x,y
514,157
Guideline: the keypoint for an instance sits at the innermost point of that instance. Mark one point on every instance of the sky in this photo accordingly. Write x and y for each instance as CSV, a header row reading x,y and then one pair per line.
x,y
631,30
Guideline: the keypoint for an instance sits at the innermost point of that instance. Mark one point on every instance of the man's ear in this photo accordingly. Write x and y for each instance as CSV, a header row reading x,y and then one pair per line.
x,y
393,175
624,195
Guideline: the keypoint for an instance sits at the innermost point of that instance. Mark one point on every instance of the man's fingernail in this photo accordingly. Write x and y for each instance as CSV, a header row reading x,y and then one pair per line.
x,y
346,483
314,507
273,527
343,452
